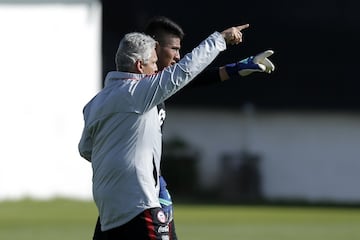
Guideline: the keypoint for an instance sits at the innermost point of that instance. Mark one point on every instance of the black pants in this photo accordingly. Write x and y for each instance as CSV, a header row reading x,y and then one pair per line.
x,y
149,225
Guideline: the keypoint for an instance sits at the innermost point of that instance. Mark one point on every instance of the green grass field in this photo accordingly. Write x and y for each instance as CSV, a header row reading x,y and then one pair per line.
x,y
75,220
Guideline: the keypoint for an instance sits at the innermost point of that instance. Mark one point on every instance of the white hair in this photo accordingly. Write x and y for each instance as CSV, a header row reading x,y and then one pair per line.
x,y
133,46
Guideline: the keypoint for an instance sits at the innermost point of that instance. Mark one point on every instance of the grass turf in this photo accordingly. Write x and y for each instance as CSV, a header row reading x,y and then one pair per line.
x,y
75,220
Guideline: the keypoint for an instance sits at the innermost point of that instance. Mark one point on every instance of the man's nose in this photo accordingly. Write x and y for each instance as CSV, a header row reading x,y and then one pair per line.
x,y
177,56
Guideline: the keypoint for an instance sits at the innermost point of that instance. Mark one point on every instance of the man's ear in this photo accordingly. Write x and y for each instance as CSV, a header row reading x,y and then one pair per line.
x,y
157,45
139,66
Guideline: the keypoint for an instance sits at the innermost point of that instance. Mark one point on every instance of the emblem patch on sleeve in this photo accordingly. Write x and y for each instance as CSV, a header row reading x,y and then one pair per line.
x,y
161,216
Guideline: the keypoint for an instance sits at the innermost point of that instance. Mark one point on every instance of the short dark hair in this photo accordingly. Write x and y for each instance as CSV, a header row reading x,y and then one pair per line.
x,y
160,26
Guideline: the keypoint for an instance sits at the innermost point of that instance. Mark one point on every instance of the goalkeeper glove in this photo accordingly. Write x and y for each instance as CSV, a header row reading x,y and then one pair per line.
x,y
165,200
258,63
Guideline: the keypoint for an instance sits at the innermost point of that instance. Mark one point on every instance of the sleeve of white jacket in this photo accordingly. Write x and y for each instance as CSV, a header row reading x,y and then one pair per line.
x,y
85,145
157,88
201,56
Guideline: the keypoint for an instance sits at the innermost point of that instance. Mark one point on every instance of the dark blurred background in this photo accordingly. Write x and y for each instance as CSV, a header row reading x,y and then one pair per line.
x,y
315,43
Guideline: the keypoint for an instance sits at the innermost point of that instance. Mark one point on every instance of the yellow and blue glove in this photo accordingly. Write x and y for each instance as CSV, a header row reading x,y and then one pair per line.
x,y
257,63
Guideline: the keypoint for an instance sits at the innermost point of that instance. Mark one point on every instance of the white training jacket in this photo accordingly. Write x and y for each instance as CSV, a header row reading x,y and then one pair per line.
x,y
122,135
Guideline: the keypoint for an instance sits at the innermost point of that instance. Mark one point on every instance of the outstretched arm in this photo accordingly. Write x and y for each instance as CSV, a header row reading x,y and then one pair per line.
x,y
257,63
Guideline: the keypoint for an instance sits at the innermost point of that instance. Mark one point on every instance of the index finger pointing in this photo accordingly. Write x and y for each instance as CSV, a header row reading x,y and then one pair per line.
x,y
242,27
